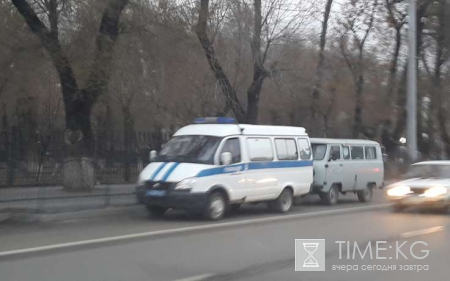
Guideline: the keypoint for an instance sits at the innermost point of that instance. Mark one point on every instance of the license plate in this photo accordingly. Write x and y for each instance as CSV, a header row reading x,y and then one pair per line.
x,y
156,193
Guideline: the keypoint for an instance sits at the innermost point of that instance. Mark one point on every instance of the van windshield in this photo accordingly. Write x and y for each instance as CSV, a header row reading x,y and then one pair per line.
x,y
319,151
190,149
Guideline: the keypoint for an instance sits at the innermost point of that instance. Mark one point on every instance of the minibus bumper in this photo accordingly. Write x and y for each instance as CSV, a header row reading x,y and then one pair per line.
x,y
316,189
175,199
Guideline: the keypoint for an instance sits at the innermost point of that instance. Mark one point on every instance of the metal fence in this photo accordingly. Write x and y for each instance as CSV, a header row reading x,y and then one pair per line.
x,y
56,199
32,158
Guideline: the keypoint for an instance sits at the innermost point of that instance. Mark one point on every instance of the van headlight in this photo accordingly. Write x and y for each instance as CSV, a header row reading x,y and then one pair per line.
x,y
141,180
399,191
186,184
435,191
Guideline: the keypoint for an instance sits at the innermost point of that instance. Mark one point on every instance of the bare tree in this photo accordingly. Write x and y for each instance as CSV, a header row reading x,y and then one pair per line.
x,y
78,102
315,96
269,27
441,56
356,28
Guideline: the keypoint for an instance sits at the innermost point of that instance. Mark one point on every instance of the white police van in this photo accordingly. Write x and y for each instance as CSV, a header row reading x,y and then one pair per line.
x,y
217,164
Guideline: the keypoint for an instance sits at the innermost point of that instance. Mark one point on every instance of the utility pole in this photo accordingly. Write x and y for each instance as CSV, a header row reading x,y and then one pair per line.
x,y
411,99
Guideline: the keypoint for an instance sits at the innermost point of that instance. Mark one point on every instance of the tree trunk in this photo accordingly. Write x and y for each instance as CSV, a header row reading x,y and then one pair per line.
x,y
439,62
259,72
78,168
359,84
315,95
253,97
232,100
393,67
357,127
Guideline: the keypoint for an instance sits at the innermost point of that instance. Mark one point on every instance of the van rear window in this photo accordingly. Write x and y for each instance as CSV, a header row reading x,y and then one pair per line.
x,y
319,151
371,153
357,152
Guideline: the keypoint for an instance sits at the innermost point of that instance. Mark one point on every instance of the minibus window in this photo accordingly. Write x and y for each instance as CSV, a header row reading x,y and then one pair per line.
x,y
371,153
305,149
234,147
357,152
286,149
346,152
319,151
260,149
335,153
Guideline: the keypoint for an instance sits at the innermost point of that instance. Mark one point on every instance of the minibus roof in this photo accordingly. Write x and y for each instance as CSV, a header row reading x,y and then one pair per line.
x,y
342,141
223,130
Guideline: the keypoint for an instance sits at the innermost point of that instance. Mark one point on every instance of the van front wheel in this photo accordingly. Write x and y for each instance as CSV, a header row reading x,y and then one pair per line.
x,y
216,206
330,197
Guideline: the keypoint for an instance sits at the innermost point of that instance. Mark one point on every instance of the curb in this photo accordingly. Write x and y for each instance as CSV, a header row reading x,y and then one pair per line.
x,y
28,217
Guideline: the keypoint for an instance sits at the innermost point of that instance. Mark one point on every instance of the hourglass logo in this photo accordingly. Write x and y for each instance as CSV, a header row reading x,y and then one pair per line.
x,y
309,254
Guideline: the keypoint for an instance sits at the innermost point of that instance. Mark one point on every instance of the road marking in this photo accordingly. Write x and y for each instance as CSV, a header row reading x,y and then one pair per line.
x,y
197,278
189,229
422,232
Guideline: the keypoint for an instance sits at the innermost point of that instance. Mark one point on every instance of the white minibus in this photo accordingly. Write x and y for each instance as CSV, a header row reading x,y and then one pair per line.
x,y
216,165
342,166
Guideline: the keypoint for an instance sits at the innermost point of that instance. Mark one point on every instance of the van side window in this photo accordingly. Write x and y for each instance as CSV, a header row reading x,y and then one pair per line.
x,y
346,152
234,147
260,149
319,151
371,153
305,149
286,149
335,152
357,152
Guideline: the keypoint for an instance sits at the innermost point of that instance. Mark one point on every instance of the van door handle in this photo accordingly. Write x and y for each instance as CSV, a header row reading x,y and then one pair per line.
x,y
326,165
342,165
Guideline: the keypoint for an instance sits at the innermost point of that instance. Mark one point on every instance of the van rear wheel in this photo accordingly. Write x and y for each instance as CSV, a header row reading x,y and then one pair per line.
x,y
366,194
330,197
283,203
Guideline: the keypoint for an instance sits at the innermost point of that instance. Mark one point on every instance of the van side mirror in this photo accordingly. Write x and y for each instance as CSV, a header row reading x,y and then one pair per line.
x,y
152,155
226,158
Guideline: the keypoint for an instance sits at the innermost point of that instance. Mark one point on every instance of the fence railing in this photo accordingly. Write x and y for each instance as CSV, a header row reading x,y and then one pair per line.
x,y
33,158
55,198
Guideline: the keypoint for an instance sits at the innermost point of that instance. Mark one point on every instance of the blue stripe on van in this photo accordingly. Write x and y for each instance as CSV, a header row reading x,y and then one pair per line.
x,y
253,166
169,171
155,173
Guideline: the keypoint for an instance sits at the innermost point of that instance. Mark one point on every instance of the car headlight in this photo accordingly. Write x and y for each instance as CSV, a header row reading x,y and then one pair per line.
x,y
399,191
186,184
435,191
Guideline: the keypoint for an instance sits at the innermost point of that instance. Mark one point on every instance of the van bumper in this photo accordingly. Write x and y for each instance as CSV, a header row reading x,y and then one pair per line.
x,y
174,199
316,189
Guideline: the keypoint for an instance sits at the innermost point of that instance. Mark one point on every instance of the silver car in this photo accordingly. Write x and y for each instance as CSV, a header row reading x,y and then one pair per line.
x,y
426,185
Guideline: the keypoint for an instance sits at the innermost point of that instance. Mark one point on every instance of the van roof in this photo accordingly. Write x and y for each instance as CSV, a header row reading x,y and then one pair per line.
x,y
223,130
342,141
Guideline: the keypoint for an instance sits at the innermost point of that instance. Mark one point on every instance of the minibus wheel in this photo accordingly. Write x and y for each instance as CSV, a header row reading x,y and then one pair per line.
x,y
330,197
283,203
365,195
216,206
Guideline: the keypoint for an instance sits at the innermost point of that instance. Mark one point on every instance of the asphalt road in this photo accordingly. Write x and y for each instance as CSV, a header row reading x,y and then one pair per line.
x,y
251,245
